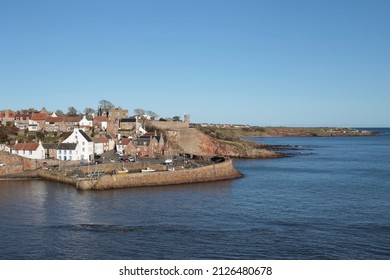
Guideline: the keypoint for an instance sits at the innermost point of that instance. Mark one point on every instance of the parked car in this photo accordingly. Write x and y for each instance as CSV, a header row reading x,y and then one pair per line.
x,y
112,160
121,159
131,159
2,164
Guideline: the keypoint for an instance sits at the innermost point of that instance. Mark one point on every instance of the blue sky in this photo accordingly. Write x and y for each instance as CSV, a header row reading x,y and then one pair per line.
x,y
292,63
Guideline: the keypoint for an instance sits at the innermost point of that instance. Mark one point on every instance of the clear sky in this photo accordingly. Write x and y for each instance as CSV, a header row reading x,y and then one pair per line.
x,y
260,62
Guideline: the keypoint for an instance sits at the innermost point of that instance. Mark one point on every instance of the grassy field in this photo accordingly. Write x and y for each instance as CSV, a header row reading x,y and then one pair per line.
x,y
234,134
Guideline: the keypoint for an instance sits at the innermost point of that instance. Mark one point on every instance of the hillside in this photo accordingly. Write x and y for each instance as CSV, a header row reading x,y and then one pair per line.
x,y
194,141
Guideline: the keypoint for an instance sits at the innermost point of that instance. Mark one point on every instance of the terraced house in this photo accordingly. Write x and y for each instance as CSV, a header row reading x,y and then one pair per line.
x,y
29,150
83,150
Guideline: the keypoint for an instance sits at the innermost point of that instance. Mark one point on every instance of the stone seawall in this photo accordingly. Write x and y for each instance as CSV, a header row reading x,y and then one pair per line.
x,y
216,172
169,125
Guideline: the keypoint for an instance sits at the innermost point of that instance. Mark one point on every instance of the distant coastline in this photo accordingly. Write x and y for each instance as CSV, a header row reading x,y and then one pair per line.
x,y
259,131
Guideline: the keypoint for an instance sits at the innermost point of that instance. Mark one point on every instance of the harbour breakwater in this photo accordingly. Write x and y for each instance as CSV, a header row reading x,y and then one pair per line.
x,y
214,172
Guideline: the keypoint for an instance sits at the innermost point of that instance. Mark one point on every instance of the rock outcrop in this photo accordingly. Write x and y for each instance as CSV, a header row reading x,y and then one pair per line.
x,y
193,141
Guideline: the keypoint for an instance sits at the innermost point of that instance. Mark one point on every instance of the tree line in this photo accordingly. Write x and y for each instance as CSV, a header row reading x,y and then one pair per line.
x,y
103,104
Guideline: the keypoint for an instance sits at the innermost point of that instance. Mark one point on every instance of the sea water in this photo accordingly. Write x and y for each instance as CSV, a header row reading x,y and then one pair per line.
x,y
330,200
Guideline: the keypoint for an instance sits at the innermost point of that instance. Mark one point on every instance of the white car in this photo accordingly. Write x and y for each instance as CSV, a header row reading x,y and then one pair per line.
x,y
112,160
2,164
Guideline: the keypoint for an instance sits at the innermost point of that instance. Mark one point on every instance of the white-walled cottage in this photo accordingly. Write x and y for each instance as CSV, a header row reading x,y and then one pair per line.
x,y
85,146
29,150
67,151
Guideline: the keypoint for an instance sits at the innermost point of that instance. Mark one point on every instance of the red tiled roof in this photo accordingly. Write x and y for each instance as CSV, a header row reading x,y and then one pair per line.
x,y
100,119
54,119
39,117
103,139
72,119
124,141
150,134
23,116
26,147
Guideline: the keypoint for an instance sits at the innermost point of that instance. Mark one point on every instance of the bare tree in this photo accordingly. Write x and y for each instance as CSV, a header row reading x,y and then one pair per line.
x,y
139,112
60,113
105,104
152,114
89,111
72,111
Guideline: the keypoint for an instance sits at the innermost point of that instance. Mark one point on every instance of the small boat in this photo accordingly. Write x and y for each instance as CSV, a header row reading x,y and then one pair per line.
x,y
123,171
148,169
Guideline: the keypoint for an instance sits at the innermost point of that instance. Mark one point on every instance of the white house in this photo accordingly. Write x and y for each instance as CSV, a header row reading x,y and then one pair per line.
x,y
85,122
99,148
85,146
29,150
122,144
33,125
67,151
108,142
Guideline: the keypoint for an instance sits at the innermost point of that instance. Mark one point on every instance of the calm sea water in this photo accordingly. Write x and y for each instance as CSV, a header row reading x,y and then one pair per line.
x,y
330,201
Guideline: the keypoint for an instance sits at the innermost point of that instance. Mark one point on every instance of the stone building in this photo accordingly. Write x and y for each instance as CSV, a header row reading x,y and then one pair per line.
x,y
7,116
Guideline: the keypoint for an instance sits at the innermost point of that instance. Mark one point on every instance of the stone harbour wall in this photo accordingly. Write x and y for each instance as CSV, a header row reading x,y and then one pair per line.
x,y
216,172
210,173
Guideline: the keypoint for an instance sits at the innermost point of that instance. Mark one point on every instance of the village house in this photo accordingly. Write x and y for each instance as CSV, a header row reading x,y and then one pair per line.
x,y
7,116
99,148
86,122
67,151
55,124
22,121
29,150
37,122
71,123
149,145
100,123
108,142
33,125
128,124
122,144
130,149
62,124
84,149
50,150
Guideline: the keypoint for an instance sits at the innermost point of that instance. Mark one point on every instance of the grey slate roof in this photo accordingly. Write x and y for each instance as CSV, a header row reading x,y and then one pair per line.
x,y
67,146
50,146
129,120
85,136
